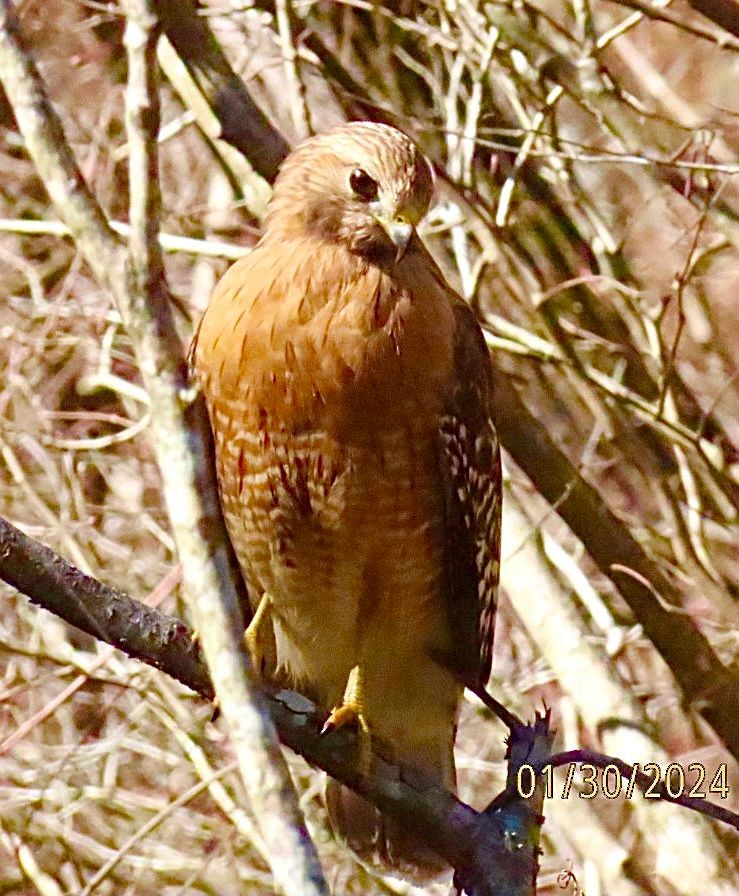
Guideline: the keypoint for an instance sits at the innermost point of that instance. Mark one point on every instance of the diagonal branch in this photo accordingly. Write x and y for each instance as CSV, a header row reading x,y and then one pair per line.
x,y
710,688
243,124
654,788
180,429
494,852
723,12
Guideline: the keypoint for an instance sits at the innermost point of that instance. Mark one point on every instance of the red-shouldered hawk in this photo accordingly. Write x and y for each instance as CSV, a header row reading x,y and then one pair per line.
x,y
349,390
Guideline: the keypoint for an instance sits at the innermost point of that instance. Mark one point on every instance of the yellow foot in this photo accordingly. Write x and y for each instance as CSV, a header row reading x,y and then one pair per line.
x,y
251,635
351,713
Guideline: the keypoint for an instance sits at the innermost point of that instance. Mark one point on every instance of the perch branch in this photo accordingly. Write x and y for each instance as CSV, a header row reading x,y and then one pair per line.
x,y
494,851
479,845
170,242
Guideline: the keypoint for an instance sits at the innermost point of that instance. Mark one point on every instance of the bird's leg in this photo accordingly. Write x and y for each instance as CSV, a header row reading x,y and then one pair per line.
x,y
251,635
351,712
251,639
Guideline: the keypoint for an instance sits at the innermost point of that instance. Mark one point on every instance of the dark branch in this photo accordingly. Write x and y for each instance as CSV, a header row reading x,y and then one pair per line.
x,y
723,12
644,781
101,610
494,852
709,687
243,123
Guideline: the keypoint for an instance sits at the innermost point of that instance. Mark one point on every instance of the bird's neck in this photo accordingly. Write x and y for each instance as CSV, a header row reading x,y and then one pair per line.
x,y
325,281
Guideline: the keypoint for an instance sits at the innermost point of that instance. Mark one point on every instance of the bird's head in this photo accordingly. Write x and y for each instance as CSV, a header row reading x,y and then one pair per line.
x,y
363,185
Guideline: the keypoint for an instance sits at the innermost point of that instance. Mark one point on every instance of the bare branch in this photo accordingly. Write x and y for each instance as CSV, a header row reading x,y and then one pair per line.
x,y
101,610
605,704
243,123
292,856
298,104
494,851
709,687
170,242
485,848
722,12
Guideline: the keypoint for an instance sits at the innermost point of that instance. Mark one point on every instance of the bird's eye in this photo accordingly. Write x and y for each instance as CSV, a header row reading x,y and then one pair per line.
x,y
363,185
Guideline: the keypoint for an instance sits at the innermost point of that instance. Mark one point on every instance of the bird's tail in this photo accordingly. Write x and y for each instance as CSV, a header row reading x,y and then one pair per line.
x,y
381,841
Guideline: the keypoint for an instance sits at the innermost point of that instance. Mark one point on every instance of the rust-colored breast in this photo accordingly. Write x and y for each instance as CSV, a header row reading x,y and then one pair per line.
x,y
325,397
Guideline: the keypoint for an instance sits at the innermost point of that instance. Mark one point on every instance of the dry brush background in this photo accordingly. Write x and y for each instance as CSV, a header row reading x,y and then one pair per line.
x,y
588,204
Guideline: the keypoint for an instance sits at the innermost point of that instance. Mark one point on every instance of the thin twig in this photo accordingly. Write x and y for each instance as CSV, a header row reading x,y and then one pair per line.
x,y
170,242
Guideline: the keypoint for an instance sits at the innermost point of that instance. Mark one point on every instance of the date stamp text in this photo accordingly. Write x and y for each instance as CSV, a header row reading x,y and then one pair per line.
x,y
652,781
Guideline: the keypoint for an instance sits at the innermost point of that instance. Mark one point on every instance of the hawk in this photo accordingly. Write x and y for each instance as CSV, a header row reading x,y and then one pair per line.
x,y
349,392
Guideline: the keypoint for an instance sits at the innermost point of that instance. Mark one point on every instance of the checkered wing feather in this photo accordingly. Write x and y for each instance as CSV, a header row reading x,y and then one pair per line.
x,y
470,460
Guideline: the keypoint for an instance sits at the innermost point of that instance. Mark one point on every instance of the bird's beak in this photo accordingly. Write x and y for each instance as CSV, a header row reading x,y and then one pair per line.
x,y
399,230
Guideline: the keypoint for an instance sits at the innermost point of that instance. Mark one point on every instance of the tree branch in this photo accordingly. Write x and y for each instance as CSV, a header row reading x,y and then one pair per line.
x,y
722,12
47,145
243,124
219,623
709,687
180,429
494,852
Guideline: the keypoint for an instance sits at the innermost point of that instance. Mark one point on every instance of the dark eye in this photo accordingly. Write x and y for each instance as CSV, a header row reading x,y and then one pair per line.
x,y
363,185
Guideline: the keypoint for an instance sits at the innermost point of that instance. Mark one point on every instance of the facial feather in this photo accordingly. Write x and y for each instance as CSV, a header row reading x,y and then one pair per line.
x,y
313,195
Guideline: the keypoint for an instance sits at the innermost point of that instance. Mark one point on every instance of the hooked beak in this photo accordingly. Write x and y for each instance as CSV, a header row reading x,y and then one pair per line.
x,y
399,230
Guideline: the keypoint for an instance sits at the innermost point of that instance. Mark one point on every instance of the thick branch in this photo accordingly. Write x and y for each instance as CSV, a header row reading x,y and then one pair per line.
x,y
709,687
243,124
102,611
494,852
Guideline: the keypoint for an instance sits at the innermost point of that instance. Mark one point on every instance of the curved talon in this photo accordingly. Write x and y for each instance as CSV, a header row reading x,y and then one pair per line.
x,y
343,716
351,712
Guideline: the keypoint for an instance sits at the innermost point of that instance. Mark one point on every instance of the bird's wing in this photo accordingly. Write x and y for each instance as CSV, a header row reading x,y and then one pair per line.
x,y
471,473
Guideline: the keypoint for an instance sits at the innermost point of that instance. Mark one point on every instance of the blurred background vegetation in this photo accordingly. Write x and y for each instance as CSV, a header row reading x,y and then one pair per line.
x,y
588,206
